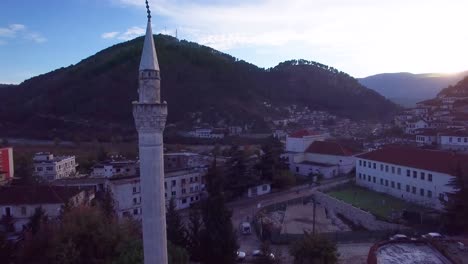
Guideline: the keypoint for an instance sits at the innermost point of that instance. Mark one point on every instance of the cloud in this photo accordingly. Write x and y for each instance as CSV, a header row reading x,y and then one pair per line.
x,y
361,36
110,35
19,30
129,34
11,30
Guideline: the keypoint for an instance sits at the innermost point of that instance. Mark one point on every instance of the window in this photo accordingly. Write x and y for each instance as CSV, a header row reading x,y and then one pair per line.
x,y
421,192
264,187
429,177
393,184
442,196
459,139
297,170
423,175
381,181
465,140
39,169
165,195
183,181
173,193
450,139
399,186
184,201
381,167
399,171
429,194
360,162
49,168
369,178
386,168
374,179
370,165
196,178
415,174
407,188
375,166
135,201
393,170
134,189
135,211
165,185
408,173
183,191
173,183
23,210
386,182
360,175
365,163
414,190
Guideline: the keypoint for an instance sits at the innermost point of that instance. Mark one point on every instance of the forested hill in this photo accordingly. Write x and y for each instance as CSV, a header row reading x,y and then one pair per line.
x,y
458,90
98,91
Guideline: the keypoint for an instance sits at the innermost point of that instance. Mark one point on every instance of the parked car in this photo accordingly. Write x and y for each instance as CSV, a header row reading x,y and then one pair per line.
x,y
398,237
258,253
245,228
240,256
433,236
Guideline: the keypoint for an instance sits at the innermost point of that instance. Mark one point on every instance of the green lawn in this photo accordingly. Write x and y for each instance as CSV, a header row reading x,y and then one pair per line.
x,y
377,203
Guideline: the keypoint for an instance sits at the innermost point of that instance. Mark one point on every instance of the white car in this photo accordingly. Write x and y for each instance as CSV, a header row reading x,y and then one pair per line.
x,y
240,255
258,253
433,236
398,237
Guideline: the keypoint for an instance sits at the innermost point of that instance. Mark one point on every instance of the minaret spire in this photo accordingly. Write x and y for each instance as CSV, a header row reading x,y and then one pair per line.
x,y
148,11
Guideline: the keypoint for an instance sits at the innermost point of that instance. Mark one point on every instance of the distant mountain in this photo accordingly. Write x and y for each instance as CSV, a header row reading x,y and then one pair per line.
x,y
458,90
199,82
407,88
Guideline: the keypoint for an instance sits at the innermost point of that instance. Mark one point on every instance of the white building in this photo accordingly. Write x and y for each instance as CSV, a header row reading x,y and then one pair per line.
x,y
427,138
456,141
113,168
50,168
259,190
184,186
413,126
20,202
207,133
416,175
325,158
300,140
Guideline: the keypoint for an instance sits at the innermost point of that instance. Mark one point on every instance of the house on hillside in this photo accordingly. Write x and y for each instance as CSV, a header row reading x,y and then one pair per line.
x,y
49,167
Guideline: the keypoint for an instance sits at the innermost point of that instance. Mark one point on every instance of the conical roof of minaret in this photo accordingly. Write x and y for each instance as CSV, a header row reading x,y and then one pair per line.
x,y
149,58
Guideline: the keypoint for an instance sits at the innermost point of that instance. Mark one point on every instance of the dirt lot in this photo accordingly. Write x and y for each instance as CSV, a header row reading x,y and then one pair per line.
x,y
299,218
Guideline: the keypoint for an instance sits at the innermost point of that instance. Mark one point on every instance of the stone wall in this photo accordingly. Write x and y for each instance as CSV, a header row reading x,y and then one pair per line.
x,y
358,216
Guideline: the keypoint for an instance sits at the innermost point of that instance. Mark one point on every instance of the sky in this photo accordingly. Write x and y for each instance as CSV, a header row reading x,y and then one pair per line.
x,y
360,37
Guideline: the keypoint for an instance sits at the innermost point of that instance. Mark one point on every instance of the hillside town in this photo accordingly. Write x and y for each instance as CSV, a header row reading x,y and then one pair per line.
x,y
254,179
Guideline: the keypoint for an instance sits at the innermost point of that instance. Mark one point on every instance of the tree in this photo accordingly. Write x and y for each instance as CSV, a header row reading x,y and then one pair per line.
x,y
4,142
176,255
456,207
218,238
24,171
175,228
194,231
312,249
266,256
106,204
37,220
284,179
6,250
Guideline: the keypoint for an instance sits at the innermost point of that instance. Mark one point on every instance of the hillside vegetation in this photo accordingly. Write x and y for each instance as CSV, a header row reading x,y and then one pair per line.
x,y
96,94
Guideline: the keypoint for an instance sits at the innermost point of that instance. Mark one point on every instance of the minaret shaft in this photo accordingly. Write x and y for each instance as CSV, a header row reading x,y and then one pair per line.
x,y
150,119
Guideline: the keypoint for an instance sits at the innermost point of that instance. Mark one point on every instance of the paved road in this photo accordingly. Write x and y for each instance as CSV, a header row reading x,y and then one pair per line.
x,y
244,209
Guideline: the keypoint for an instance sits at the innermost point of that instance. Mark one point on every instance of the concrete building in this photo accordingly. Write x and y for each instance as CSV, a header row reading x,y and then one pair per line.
x,y
259,190
150,114
20,202
50,168
207,133
185,160
325,158
185,186
300,140
455,140
113,168
7,170
416,175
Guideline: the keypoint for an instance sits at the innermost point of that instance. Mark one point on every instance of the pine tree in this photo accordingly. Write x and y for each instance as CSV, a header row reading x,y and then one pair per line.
x,y
194,229
456,207
218,238
175,229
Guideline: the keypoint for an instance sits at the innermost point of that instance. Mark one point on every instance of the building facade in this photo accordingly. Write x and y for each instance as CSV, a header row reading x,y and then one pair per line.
x,y
415,175
49,167
20,202
113,168
7,170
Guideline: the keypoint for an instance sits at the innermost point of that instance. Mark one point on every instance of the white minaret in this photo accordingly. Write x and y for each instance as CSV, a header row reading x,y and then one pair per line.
x,y
150,118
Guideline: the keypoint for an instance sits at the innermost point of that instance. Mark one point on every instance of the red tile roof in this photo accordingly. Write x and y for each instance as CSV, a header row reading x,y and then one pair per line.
x,y
37,194
431,160
328,148
303,133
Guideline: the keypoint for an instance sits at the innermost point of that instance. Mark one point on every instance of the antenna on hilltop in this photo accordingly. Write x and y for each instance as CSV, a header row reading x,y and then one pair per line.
x,y
148,11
